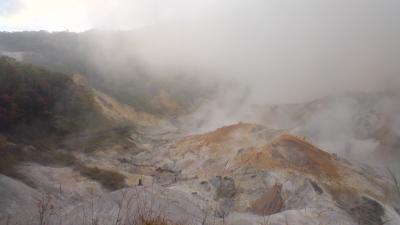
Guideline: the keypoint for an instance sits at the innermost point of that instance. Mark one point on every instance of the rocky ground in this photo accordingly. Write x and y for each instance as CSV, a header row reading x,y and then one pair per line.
x,y
238,174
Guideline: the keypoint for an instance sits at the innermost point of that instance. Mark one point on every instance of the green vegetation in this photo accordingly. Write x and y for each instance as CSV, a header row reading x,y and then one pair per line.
x,y
109,179
10,155
39,108
35,102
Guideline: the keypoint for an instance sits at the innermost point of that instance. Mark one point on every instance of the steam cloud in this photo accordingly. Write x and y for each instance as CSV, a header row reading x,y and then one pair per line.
x,y
285,51
265,52
279,52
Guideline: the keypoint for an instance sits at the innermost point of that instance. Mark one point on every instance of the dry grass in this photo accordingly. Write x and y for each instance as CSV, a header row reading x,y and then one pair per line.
x,y
128,209
159,220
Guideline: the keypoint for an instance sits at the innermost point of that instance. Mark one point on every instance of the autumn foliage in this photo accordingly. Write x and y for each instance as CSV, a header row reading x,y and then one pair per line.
x,y
34,97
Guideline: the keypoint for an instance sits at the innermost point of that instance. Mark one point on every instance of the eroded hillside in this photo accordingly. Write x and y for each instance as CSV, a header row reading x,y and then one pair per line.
x,y
133,167
238,174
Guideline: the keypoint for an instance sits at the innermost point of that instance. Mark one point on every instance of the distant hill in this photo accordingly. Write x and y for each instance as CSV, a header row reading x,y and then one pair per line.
x,y
110,62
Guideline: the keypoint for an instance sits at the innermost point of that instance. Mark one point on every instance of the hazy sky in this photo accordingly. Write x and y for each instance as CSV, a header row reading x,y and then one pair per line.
x,y
278,45
78,15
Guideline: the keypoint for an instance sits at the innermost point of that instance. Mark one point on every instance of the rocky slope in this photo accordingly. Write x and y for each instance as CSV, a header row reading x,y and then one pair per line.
x,y
238,174
136,168
143,168
248,169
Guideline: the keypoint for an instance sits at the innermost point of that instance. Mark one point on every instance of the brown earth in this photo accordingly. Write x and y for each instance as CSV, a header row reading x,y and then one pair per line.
x,y
269,203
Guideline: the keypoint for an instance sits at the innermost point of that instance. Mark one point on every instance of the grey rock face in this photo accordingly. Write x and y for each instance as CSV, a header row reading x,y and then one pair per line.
x,y
17,201
363,210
